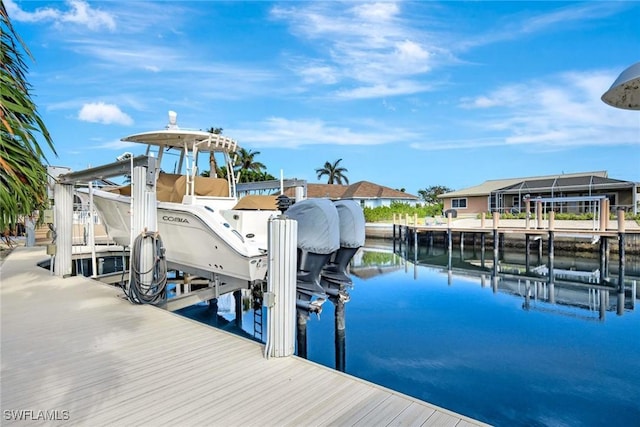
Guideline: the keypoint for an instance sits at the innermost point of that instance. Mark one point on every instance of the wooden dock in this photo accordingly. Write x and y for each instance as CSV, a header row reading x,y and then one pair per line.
x,y
73,351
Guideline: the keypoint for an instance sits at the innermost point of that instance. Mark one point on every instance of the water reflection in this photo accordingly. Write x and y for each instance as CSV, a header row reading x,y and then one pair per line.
x,y
574,291
573,282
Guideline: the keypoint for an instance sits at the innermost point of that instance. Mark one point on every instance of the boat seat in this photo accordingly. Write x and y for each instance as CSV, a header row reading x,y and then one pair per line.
x,y
172,187
255,202
164,186
204,186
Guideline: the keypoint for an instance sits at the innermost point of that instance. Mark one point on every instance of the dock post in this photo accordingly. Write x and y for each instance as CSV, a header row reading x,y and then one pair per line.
x,y
621,260
527,215
527,295
237,298
496,242
449,232
620,303
407,236
540,250
551,245
462,246
603,213
527,261
280,298
602,309
551,257
482,220
394,228
340,336
63,211
603,258
483,239
538,214
496,237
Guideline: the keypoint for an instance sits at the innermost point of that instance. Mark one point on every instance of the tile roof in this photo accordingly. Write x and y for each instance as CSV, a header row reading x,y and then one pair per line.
x,y
359,190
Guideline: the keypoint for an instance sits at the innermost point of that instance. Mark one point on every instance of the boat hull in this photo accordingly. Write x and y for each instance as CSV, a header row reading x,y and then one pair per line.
x,y
197,239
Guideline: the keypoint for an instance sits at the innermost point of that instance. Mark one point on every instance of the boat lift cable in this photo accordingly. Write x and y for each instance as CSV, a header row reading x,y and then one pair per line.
x,y
151,291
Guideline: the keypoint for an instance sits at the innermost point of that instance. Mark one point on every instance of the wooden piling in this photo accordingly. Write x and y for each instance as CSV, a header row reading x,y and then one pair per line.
x,y
551,255
603,258
527,261
621,254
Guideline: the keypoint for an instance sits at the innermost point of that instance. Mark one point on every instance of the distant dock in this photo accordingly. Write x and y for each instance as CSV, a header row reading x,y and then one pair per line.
x,y
399,228
75,352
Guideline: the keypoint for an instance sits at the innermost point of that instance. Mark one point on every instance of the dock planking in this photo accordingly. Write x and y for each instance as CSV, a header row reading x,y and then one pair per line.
x,y
77,347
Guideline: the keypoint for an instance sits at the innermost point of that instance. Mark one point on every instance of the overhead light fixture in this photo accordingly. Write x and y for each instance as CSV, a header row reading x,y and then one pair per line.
x,y
173,120
625,91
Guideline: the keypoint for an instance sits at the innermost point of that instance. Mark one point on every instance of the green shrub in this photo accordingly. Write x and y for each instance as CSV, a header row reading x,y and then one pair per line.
x,y
385,213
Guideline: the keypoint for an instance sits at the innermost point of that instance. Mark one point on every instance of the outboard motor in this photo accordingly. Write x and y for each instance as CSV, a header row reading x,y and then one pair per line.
x,y
318,239
334,276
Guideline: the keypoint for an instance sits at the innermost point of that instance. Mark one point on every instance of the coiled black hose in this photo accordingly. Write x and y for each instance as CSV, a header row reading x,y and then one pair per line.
x,y
153,290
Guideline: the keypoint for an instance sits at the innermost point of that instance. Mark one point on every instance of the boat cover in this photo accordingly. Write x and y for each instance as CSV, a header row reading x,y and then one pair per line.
x,y
352,229
318,225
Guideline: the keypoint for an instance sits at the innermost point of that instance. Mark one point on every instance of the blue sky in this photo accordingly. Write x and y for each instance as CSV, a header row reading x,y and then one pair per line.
x,y
408,94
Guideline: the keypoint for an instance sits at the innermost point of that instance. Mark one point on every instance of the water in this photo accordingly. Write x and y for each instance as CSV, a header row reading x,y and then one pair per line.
x,y
506,352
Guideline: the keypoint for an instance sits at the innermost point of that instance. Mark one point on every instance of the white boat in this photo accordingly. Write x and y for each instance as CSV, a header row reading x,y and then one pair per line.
x,y
209,232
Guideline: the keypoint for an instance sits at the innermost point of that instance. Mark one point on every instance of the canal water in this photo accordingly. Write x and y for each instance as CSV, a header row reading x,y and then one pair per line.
x,y
506,350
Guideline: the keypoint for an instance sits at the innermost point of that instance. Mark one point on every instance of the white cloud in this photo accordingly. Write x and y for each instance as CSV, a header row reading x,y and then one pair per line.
x,y
376,11
370,47
459,144
117,145
573,13
99,112
552,114
518,25
318,74
383,90
410,51
79,12
281,132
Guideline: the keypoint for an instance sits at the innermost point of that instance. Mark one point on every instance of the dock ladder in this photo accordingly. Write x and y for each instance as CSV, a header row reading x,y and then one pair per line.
x,y
257,293
257,322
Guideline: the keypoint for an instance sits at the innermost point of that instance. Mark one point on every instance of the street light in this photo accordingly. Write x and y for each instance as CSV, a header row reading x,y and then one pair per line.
x,y
625,91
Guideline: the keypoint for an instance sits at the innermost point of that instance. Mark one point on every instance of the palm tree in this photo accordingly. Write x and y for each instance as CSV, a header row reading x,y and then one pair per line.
x,y
213,165
336,174
245,162
23,177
